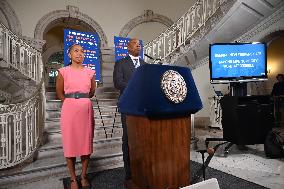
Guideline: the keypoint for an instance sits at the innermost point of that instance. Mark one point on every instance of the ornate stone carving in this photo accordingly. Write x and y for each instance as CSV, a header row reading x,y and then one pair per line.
x,y
71,12
74,11
5,97
201,62
189,29
275,17
23,58
20,107
184,49
174,57
225,6
147,16
35,43
12,19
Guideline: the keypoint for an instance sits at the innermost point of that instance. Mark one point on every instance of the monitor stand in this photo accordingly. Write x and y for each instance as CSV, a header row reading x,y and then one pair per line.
x,y
238,89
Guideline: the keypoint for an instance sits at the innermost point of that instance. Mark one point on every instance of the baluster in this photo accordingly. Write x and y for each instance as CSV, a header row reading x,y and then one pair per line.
x,y
32,66
20,132
174,39
28,64
180,33
33,129
159,46
27,132
30,134
14,134
6,46
183,29
36,124
9,139
18,45
1,43
4,140
13,53
21,58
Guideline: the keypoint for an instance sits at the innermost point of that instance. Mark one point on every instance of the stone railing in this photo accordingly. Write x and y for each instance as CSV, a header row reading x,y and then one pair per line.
x,y
21,122
16,53
20,130
183,29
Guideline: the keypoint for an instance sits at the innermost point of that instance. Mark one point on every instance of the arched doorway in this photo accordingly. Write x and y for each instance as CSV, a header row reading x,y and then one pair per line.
x,y
146,27
51,29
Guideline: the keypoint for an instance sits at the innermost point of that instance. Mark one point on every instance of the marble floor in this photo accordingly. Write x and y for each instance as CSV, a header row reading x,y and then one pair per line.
x,y
250,164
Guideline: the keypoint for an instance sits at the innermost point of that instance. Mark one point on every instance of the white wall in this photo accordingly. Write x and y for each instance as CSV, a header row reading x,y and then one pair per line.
x,y
111,15
147,31
201,76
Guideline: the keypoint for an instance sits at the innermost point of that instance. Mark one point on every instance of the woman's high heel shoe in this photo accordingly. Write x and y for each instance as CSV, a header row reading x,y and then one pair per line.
x,y
74,181
85,180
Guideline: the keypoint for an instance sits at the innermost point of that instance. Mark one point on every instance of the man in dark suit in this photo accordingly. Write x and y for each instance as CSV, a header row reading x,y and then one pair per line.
x,y
122,73
278,88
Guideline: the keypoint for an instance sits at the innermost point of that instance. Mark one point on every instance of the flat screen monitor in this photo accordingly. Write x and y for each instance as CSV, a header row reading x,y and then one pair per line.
x,y
237,62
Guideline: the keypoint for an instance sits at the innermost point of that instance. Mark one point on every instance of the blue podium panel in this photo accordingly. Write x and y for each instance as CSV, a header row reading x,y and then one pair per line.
x,y
144,95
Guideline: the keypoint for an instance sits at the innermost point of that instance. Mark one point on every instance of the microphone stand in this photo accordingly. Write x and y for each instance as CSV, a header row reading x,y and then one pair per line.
x,y
205,164
155,60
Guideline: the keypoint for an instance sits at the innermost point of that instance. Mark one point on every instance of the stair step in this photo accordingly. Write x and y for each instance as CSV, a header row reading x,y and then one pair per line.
x,y
97,119
107,79
96,107
54,129
55,123
98,114
106,146
54,136
111,95
103,89
40,170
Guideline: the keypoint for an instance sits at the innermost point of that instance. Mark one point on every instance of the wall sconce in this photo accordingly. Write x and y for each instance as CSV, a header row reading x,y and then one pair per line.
x,y
269,70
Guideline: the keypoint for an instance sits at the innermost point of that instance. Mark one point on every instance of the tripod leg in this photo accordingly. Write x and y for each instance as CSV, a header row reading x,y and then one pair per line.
x,y
226,151
203,166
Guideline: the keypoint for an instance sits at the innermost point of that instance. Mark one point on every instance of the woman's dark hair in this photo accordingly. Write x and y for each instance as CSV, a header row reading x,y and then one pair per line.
x,y
280,75
69,49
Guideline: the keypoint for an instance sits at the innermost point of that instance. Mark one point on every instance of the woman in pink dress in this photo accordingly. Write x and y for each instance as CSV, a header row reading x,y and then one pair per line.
x,y
75,85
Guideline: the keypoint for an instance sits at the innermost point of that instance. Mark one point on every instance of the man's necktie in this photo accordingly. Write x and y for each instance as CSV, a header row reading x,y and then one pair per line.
x,y
136,62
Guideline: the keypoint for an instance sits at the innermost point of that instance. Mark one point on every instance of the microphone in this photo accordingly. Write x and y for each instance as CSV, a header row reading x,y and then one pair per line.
x,y
149,56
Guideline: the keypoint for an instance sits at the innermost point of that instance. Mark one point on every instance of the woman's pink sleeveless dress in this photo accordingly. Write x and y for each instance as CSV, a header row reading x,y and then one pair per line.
x,y
77,115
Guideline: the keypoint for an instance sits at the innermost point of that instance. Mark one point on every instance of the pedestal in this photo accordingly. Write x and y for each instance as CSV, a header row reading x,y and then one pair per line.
x,y
159,151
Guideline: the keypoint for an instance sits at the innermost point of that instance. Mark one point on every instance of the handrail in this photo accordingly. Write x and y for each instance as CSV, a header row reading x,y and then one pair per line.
x,y
38,89
184,28
21,126
21,122
16,53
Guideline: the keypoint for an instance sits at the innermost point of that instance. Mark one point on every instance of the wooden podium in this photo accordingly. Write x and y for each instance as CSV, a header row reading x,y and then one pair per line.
x,y
159,152
158,129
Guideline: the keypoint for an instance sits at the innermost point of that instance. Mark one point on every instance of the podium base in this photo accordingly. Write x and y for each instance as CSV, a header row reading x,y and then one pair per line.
x,y
129,184
159,151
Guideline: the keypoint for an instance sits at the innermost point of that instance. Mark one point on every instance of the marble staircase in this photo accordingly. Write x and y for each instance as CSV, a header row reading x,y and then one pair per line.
x,y
49,160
